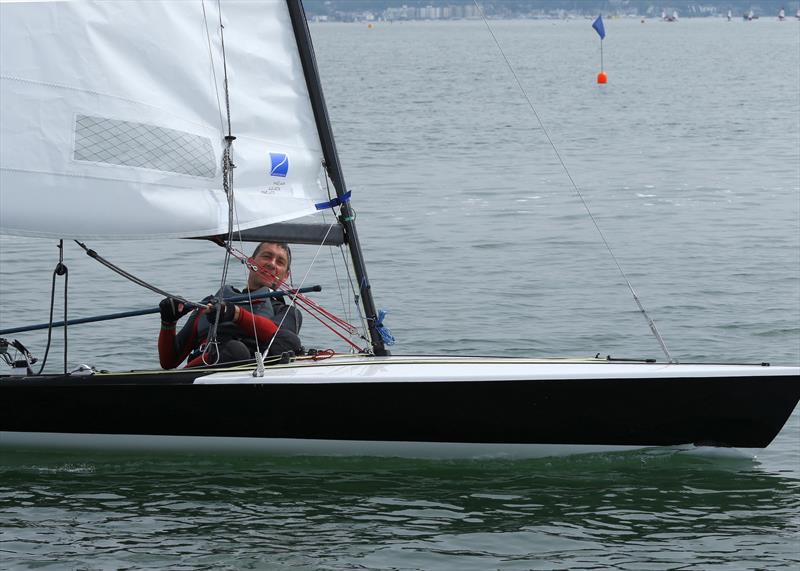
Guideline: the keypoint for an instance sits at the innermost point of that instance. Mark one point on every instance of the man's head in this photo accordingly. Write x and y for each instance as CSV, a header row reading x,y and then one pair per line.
x,y
274,258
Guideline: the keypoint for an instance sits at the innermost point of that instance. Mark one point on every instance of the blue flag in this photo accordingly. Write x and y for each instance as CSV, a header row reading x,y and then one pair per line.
x,y
599,27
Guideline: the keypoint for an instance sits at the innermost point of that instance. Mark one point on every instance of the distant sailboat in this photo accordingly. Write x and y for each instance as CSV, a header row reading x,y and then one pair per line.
x,y
729,15
781,15
665,18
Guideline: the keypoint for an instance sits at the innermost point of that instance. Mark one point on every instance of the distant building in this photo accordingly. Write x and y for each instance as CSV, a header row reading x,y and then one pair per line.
x,y
401,10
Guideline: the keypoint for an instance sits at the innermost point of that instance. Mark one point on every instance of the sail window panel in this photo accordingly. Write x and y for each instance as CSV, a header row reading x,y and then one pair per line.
x,y
125,143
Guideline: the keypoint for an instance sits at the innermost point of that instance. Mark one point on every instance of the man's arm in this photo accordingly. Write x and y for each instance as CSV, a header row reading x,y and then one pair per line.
x,y
255,325
172,348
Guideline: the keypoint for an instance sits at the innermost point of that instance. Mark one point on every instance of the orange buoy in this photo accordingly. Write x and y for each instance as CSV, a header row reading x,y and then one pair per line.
x,y
602,77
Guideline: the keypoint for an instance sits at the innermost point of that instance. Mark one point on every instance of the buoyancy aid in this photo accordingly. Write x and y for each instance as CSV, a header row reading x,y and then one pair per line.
x,y
271,308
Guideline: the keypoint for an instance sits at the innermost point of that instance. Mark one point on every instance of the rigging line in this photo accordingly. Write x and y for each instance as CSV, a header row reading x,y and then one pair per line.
x,y
227,185
232,211
319,313
345,306
310,307
301,298
293,301
341,335
647,318
227,181
213,69
313,309
356,296
231,203
347,310
224,66
294,297
138,281
246,274
309,304
356,293
229,250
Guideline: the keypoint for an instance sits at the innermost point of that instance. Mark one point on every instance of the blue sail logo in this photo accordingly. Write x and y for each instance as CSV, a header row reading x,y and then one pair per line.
x,y
280,164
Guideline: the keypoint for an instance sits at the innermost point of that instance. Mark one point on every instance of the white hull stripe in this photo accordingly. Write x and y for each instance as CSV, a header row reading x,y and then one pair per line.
x,y
410,369
297,447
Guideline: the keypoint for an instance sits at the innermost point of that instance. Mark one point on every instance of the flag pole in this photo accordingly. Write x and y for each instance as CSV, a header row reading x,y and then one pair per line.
x,y
601,55
601,31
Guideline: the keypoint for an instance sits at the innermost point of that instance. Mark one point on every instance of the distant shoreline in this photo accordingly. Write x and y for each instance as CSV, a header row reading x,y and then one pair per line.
x,y
788,19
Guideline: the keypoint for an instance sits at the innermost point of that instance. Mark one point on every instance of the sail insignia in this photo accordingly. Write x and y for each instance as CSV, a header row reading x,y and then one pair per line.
x,y
280,164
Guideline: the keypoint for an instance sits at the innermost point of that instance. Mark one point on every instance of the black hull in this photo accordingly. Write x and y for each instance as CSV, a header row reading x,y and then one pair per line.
x,y
743,412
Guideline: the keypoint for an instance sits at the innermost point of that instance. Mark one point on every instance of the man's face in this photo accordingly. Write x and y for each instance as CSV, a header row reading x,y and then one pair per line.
x,y
272,259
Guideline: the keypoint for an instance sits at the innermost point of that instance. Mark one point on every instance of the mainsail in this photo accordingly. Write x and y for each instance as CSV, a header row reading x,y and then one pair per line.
x,y
113,118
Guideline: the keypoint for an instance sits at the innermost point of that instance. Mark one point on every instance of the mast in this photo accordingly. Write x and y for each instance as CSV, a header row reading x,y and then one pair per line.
x,y
334,167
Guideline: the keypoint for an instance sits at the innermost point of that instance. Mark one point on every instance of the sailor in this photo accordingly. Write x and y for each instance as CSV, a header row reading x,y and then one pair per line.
x,y
242,329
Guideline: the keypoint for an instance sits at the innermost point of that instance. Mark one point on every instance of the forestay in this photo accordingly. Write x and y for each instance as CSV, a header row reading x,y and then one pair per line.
x,y
113,119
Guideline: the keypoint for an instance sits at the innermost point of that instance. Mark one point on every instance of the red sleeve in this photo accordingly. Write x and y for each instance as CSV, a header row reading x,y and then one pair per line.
x,y
249,322
169,355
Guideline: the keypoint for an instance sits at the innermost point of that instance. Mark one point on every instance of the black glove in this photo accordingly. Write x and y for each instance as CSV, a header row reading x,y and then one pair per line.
x,y
227,312
172,310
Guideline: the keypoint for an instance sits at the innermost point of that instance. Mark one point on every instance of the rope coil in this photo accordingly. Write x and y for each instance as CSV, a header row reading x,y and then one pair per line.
x,y
60,270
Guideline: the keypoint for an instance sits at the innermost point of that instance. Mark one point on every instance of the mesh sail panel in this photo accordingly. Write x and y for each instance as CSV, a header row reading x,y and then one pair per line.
x,y
103,140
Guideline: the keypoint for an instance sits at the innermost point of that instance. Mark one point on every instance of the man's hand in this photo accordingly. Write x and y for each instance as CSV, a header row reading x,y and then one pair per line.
x,y
172,310
227,312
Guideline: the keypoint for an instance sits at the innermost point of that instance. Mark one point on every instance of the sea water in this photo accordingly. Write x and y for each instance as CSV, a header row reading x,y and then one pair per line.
x,y
477,242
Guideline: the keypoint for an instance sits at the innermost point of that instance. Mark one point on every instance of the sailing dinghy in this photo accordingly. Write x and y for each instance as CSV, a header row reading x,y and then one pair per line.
x,y
127,108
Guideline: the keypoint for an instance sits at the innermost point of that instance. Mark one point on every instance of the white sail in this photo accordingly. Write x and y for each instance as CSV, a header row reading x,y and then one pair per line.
x,y
113,119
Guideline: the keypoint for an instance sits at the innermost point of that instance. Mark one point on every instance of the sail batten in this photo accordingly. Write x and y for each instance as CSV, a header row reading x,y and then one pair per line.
x,y
110,119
